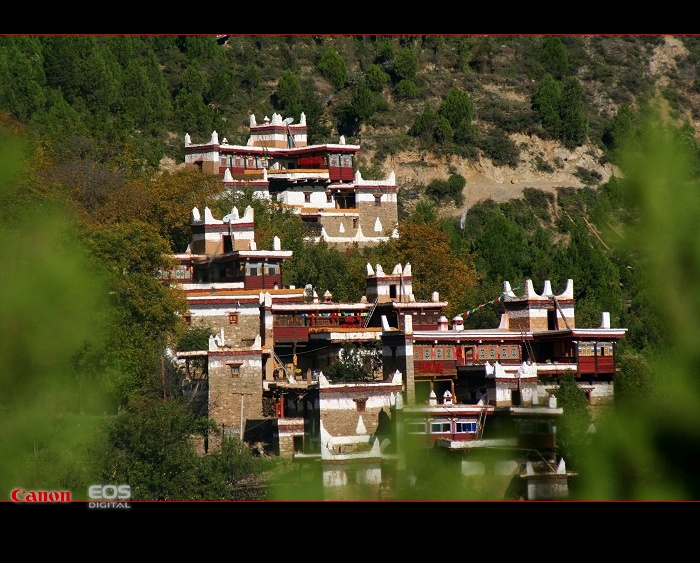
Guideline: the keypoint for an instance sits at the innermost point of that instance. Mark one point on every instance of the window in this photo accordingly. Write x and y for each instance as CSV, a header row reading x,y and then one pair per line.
x,y
514,352
361,404
440,427
377,199
415,427
233,318
465,427
438,353
492,353
448,353
482,353
354,222
426,353
504,352
235,370
526,427
187,318
307,197
329,197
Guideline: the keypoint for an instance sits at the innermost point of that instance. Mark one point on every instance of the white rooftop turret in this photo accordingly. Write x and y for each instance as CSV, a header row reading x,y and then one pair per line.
x,y
547,291
442,323
458,323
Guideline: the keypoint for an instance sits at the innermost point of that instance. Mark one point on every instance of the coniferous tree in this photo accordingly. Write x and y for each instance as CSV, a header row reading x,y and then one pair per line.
x,y
289,94
572,112
333,68
554,58
22,77
546,103
457,108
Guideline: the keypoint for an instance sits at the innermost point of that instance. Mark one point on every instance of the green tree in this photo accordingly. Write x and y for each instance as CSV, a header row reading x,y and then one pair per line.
x,y
251,78
554,58
317,123
405,65
143,320
501,248
136,95
195,116
222,79
376,78
150,446
362,103
333,68
406,89
198,47
22,77
457,107
620,127
481,55
572,112
547,102
289,93
425,125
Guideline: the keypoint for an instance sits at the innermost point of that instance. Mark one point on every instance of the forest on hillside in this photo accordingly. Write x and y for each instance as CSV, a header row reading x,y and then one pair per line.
x,y
88,209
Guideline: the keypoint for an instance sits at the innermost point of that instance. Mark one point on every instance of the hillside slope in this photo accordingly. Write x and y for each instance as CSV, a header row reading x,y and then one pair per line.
x,y
486,181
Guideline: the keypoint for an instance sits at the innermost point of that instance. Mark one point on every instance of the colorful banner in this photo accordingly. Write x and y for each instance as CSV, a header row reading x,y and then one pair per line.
x,y
501,296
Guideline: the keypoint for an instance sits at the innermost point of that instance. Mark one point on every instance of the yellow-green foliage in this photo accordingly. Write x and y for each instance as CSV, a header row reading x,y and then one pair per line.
x,y
648,448
49,299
